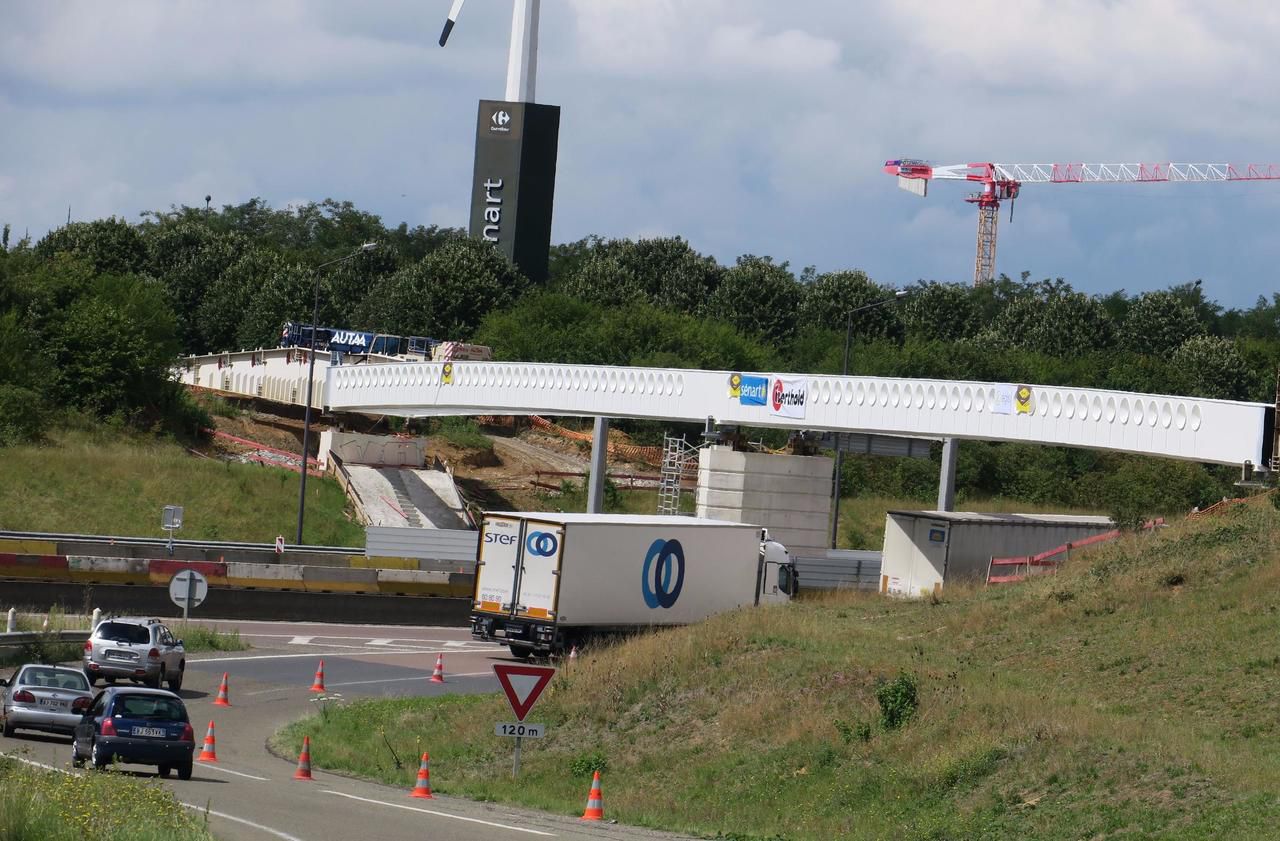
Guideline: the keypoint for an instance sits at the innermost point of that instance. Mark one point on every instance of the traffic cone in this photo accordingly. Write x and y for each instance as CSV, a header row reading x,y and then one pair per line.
x,y
422,788
304,761
318,684
438,675
208,753
595,801
222,700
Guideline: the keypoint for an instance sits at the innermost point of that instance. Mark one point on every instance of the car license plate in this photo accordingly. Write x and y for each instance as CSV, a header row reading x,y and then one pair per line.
x,y
499,632
50,702
121,655
149,731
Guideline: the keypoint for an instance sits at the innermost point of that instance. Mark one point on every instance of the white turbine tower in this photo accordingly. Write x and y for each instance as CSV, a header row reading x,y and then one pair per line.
x,y
522,61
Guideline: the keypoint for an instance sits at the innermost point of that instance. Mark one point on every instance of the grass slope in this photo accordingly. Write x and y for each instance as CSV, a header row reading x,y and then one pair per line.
x,y
50,806
111,483
1133,695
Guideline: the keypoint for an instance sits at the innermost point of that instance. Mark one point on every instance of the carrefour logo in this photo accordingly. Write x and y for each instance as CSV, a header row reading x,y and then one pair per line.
x,y
663,562
541,543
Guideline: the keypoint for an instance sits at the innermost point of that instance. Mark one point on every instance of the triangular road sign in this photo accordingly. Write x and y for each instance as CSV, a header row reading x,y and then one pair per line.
x,y
523,685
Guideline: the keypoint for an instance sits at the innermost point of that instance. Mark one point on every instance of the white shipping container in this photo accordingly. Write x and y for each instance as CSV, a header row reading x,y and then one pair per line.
x,y
924,550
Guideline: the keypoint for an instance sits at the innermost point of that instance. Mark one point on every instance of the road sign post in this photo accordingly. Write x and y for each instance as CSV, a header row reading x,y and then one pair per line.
x,y
187,589
170,520
523,686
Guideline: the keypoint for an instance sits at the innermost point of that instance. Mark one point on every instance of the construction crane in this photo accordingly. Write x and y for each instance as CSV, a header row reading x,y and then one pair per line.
x,y
1001,182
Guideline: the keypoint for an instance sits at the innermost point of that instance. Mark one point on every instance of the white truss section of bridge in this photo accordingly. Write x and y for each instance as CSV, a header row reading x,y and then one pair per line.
x,y
1195,429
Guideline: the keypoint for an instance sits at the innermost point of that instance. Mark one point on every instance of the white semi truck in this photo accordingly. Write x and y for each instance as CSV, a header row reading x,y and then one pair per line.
x,y
547,582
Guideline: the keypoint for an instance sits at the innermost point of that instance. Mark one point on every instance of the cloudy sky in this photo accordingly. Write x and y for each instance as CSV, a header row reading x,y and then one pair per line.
x,y
745,126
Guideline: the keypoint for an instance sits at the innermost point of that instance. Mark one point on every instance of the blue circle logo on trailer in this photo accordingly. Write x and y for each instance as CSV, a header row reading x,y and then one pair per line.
x,y
663,561
541,543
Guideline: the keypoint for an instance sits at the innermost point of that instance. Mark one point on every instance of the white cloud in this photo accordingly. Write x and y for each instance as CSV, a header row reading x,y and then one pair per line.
x,y
742,125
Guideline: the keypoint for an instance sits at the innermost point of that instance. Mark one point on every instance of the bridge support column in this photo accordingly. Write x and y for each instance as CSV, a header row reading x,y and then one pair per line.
x,y
599,466
947,477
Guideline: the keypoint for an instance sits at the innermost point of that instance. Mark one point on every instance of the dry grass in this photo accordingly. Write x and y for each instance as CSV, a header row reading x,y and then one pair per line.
x,y
1135,694
112,483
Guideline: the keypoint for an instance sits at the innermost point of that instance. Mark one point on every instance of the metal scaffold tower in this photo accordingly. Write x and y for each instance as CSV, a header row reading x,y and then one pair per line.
x,y
679,460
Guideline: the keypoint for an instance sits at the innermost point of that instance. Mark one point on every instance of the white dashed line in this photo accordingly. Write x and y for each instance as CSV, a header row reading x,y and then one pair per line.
x,y
441,814
212,767
277,833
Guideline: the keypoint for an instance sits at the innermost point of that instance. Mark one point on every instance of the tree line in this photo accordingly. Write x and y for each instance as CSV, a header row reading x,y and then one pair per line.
x,y
94,313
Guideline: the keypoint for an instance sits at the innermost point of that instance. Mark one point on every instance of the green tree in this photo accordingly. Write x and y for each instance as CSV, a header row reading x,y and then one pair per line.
x,y
1056,322
665,272
830,297
189,258
112,246
447,293
1158,323
941,311
113,348
760,297
1211,366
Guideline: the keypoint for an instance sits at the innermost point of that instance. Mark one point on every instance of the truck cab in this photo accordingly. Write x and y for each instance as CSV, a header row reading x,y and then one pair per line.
x,y
778,581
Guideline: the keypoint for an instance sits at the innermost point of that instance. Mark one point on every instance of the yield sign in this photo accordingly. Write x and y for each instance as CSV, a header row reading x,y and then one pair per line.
x,y
523,685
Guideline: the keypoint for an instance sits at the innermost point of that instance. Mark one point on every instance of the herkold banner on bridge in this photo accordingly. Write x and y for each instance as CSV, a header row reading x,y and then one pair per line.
x,y
787,397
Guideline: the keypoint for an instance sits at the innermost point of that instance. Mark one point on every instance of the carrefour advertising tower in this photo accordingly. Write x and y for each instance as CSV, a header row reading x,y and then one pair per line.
x,y
513,184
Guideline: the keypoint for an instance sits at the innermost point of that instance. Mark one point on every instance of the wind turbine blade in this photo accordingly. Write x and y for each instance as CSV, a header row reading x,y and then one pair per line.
x,y
451,20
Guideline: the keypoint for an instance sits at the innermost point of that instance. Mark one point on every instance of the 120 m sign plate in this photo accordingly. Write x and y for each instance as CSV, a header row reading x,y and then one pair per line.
x,y
528,731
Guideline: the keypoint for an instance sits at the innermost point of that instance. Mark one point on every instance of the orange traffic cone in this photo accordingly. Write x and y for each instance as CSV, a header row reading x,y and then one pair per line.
x,y
422,788
595,801
318,684
208,753
222,700
304,761
438,675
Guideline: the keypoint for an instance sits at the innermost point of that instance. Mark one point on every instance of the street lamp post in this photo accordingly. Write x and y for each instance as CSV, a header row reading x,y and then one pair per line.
x,y
311,372
848,336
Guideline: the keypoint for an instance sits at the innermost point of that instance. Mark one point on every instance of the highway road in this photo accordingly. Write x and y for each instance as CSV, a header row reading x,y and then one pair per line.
x,y
251,795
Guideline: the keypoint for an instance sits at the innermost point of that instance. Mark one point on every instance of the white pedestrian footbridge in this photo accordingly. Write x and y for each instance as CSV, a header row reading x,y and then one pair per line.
x,y
1190,428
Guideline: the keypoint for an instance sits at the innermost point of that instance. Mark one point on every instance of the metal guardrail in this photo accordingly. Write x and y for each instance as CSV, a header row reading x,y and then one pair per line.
x,y
163,542
13,638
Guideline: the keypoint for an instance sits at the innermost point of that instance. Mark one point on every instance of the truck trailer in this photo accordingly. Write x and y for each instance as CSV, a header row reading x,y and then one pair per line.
x,y
547,582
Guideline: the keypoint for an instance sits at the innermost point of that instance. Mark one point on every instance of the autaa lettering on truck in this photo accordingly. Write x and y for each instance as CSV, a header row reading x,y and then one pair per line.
x,y
493,210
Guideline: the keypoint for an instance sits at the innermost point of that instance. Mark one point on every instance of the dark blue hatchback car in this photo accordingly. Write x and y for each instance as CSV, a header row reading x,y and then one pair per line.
x,y
136,725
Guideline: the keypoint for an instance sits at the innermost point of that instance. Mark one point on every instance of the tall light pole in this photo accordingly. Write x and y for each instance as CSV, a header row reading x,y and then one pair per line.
x,y
848,336
311,372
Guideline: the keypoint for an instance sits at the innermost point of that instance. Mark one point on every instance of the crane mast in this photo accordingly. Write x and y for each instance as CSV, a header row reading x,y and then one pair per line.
x,y
1003,182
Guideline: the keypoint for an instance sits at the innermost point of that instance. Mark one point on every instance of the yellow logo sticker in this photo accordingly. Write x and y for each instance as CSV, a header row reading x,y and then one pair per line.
x,y
446,374
1022,400
735,385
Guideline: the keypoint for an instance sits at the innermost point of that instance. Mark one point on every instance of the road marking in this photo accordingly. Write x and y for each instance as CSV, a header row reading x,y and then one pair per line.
x,y
441,814
424,676
299,640
380,642
229,771
295,656
277,833
17,758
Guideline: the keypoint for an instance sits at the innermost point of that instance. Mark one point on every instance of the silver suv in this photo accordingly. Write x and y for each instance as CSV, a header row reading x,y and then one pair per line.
x,y
142,650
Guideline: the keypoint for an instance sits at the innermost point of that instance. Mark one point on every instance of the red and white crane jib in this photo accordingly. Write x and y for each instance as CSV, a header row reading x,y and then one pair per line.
x,y
911,169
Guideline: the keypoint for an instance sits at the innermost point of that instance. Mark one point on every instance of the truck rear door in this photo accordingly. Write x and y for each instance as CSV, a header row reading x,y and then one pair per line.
x,y
496,564
541,550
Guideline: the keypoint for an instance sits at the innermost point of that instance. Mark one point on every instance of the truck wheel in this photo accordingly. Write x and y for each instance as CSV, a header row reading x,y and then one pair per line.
x,y
522,652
